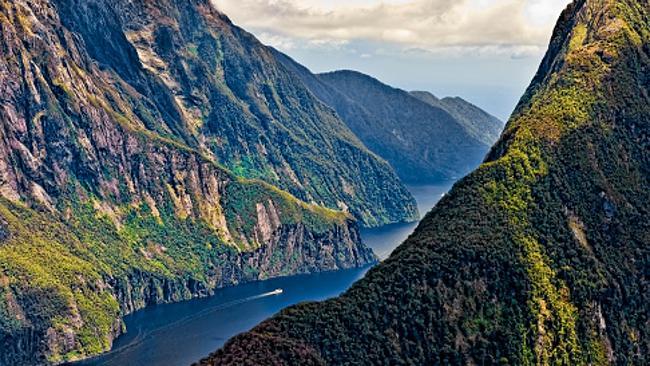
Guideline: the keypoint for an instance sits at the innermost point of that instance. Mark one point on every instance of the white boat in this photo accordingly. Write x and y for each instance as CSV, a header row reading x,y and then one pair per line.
x,y
277,291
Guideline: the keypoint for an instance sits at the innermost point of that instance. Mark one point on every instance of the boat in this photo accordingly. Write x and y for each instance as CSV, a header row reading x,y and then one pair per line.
x,y
277,291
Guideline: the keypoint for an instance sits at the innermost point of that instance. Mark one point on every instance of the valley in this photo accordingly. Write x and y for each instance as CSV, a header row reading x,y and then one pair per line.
x,y
179,334
174,191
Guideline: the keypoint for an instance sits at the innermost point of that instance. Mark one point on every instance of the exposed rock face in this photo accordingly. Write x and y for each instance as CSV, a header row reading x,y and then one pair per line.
x,y
424,138
111,194
217,89
539,257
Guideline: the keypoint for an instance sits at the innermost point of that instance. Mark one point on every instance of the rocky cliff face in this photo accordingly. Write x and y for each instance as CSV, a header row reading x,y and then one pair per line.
x,y
217,89
541,256
66,283
110,197
424,138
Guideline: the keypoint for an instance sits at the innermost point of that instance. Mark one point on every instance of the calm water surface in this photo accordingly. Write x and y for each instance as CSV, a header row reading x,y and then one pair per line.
x,y
385,239
179,334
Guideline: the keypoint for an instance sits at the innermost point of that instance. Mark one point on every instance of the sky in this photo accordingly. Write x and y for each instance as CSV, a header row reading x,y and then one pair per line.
x,y
485,51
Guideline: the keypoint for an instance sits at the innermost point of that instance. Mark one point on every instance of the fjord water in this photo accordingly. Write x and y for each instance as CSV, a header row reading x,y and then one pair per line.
x,y
182,333
385,239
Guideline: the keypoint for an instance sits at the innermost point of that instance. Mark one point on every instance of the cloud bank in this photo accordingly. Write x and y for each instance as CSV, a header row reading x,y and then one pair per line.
x,y
518,27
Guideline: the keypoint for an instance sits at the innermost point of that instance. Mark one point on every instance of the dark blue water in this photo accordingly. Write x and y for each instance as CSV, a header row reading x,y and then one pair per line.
x,y
385,239
182,333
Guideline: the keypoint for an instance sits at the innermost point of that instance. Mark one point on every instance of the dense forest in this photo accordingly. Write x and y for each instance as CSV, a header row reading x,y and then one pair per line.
x,y
539,257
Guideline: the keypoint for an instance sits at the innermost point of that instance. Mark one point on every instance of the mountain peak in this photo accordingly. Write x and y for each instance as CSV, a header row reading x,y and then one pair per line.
x,y
590,46
402,128
425,95
480,125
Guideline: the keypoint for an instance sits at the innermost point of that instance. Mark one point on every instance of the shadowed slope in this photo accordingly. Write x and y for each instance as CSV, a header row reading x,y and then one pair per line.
x,y
425,139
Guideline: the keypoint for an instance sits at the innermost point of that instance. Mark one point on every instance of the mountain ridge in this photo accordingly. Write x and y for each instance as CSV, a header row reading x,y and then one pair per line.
x,y
447,145
540,256
236,104
479,123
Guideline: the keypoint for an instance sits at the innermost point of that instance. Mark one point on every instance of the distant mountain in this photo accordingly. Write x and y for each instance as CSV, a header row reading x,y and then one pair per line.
x,y
539,257
478,123
424,141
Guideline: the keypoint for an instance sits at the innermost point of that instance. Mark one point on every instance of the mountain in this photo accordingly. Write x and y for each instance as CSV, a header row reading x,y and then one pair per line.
x,y
424,141
479,124
131,137
539,257
219,90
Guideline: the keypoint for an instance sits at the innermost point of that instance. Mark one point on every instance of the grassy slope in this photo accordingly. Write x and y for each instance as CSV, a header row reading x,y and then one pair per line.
x,y
541,256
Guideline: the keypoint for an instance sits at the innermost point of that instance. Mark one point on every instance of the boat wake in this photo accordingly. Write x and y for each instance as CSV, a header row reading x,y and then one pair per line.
x,y
141,335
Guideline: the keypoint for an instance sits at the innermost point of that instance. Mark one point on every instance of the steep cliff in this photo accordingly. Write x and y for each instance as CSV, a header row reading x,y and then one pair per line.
x,y
217,89
424,138
539,257
109,200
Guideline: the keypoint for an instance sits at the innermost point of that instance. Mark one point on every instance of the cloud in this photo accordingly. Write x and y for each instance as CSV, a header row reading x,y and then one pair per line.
x,y
277,41
517,26
332,44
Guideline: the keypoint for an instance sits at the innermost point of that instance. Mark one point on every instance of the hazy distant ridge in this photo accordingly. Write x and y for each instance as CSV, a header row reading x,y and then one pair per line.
x,y
425,139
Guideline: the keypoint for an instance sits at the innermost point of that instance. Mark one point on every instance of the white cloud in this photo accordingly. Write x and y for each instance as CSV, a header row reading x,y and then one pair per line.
x,y
333,44
277,41
516,26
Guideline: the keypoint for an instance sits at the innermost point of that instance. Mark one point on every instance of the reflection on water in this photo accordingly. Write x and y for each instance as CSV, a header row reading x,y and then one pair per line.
x,y
179,334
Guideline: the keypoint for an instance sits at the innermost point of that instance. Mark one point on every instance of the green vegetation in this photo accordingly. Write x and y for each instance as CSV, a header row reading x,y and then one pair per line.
x,y
82,258
193,50
46,256
578,38
403,127
113,197
261,124
290,210
540,256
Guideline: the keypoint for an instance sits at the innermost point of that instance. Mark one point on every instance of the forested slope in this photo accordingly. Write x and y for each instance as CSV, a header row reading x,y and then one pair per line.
x,y
110,197
541,256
